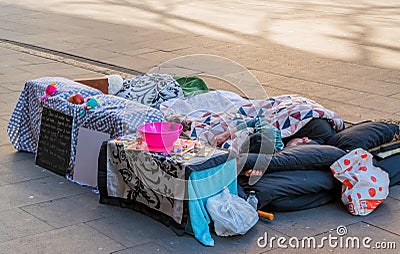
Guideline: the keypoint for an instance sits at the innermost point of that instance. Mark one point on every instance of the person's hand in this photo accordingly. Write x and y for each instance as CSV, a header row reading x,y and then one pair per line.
x,y
219,139
298,141
253,172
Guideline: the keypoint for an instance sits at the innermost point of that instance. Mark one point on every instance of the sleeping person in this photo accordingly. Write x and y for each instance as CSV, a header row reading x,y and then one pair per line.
x,y
319,130
315,133
299,176
260,125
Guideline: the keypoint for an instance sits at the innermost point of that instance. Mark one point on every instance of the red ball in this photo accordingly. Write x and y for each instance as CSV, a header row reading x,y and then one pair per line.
x,y
76,98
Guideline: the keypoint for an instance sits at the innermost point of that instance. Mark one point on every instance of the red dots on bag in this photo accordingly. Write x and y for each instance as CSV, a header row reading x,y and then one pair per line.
x,y
364,155
373,178
333,171
349,168
355,178
380,188
348,184
346,162
349,198
363,168
372,192
358,195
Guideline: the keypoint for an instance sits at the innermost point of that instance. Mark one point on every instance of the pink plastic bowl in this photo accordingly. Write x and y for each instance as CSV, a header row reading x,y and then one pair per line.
x,y
160,135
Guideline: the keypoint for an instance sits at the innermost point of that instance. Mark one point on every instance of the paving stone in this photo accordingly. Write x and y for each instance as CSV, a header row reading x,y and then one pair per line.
x,y
254,241
358,230
78,73
386,216
208,64
351,112
365,84
272,92
246,243
6,108
313,221
139,51
196,41
131,62
9,88
173,70
67,211
45,69
20,77
149,248
11,99
198,50
394,192
8,53
350,239
8,154
389,105
94,53
21,171
37,190
3,132
168,45
159,57
10,61
247,83
307,89
73,239
360,82
16,223
131,228
389,206
395,96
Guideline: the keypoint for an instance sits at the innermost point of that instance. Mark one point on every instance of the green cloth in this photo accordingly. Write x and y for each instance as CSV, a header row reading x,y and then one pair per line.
x,y
192,85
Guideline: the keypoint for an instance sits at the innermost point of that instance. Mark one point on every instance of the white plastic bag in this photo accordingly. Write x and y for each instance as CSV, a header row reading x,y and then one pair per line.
x,y
231,214
364,185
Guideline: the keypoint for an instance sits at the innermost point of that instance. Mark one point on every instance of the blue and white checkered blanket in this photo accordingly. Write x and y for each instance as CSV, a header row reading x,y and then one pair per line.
x,y
114,115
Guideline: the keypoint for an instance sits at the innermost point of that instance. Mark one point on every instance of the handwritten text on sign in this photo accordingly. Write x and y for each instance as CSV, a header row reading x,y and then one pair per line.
x,y
54,148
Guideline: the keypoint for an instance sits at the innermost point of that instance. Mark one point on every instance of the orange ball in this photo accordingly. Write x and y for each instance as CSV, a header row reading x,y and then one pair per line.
x,y
76,98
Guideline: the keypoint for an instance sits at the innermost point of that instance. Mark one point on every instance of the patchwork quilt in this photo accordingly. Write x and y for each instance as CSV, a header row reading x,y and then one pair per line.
x,y
206,115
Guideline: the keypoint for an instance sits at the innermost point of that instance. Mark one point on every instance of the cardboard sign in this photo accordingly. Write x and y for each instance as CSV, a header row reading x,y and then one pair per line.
x,y
54,148
87,153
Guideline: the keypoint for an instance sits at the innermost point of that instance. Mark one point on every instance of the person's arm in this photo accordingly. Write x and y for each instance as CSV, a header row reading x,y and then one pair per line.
x,y
248,124
219,139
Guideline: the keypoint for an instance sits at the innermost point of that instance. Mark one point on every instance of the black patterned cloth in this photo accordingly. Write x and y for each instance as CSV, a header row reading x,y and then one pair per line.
x,y
144,177
114,115
154,180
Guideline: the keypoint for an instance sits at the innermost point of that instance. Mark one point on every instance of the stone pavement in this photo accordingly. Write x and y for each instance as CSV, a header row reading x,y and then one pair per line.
x,y
343,54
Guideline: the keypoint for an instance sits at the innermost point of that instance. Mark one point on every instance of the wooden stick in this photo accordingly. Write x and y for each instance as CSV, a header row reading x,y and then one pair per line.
x,y
262,214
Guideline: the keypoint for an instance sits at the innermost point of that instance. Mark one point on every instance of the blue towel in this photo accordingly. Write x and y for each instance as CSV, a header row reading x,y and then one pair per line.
x,y
203,185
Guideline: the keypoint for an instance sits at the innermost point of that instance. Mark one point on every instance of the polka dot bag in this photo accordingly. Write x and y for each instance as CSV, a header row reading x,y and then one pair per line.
x,y
365,186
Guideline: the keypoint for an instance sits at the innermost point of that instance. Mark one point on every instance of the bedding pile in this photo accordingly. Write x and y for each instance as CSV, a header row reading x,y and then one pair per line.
x,y
296,177
215,112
